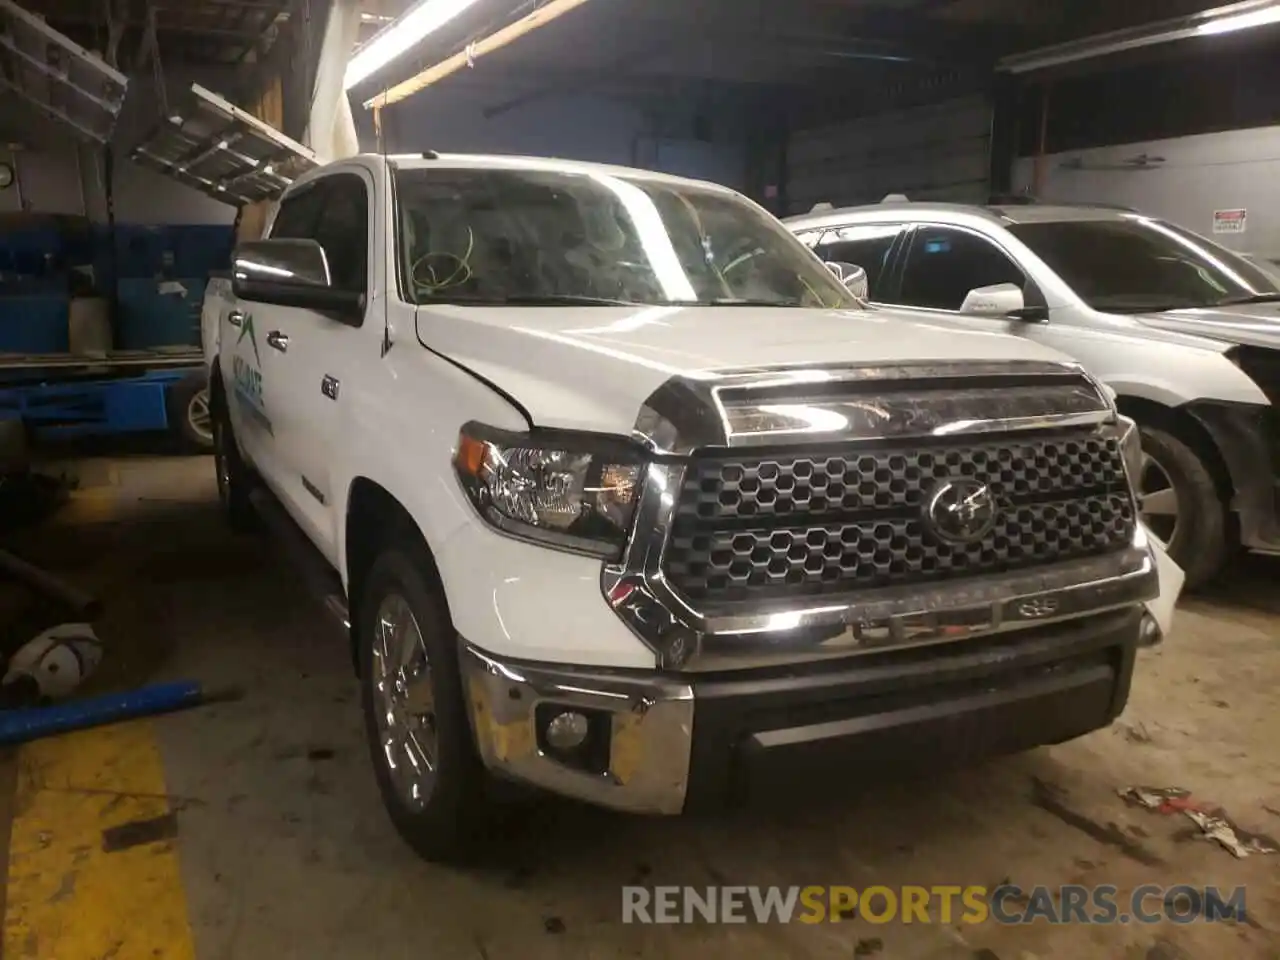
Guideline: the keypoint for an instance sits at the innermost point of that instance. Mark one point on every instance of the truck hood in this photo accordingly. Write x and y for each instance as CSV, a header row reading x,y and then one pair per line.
x,y
1257,325
592,368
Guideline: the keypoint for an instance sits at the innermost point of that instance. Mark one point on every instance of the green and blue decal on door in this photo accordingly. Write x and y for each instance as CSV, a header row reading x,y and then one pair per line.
x,y
248,376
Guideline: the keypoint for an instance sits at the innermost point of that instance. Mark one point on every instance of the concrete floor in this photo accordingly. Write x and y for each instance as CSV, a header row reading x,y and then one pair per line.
x,y
284,849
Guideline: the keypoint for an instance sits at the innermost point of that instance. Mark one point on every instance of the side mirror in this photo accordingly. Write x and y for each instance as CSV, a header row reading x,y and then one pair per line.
x,y
997,300
291,273
853,277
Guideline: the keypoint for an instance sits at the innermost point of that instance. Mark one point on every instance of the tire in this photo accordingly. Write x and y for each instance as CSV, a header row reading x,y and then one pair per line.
x,y
190,414
1198,541
444,821
235,479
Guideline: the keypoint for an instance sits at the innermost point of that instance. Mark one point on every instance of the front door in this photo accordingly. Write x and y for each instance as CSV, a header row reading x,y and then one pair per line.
x,y
308,354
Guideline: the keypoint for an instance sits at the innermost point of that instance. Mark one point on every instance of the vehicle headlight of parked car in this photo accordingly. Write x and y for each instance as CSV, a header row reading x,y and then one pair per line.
x,y
572,491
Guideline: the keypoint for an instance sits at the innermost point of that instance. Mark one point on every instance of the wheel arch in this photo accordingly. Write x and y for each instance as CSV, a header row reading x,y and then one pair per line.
x,y
1188,429
373,517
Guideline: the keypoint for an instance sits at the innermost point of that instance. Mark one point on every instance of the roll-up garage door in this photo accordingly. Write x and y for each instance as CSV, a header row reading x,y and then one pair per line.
x,y
936,152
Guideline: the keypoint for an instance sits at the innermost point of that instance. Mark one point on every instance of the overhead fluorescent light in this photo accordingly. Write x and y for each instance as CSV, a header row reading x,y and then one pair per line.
x,y
402,35
1225,19
1242,21
540,17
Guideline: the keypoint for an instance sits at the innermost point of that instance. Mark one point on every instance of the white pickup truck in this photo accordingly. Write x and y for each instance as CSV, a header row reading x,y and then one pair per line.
x,y
622,493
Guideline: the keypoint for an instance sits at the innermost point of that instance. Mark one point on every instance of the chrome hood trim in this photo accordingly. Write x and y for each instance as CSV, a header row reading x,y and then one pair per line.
x,y
818,404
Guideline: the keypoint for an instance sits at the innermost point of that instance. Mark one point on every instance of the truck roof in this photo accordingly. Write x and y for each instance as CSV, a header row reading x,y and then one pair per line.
x,y
958,212
434,161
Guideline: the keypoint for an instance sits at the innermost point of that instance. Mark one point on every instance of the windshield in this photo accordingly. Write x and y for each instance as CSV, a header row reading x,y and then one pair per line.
x,y
519,236
1138,264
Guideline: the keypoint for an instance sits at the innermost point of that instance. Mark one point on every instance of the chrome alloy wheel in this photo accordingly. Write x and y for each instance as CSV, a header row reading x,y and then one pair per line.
x,y
198,416
1158,500
404,702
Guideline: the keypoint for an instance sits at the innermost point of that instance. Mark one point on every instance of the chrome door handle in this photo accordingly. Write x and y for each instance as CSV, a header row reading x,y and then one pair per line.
x,y
278,340
236,318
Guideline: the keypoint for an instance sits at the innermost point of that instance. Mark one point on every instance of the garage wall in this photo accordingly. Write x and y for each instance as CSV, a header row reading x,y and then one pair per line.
x,y
937,152
1239,169
452,119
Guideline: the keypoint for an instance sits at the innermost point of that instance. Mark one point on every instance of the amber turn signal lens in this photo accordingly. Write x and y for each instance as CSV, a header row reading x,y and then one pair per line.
x,y
470,456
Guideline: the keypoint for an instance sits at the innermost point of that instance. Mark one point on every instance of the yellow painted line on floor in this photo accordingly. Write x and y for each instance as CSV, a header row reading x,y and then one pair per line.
x,y
96,505
93,860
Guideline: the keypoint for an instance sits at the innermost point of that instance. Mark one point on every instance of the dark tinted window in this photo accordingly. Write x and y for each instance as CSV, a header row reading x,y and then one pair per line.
x,y
343,231
865,245
944,264
297,216
1137,264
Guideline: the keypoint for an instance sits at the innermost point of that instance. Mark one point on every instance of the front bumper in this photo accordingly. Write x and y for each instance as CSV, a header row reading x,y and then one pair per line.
x,y
673,744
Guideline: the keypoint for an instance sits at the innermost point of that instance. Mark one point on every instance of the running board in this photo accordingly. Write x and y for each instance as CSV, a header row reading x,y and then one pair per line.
x,y
321,579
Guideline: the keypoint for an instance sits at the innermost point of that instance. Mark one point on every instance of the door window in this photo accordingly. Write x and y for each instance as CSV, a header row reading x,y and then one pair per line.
x,y
343,231
866,245
296,219
945,263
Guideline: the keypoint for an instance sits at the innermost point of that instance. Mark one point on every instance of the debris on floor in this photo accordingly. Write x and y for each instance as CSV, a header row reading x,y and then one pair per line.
x,y
1160,799
51,665
1212,820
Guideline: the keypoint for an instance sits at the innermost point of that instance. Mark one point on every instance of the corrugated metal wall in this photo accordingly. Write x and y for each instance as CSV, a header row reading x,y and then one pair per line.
x,y
1184,180
937,152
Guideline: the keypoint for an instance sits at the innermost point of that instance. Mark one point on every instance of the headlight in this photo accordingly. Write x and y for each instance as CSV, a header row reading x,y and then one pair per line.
x,y
572,491
1131,449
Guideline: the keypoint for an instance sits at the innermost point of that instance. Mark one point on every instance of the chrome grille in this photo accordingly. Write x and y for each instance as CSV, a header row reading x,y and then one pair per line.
x,y
760,526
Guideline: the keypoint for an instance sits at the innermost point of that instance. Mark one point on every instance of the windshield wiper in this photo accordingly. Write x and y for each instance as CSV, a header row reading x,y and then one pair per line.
x,y
1254,298
529,300
744,302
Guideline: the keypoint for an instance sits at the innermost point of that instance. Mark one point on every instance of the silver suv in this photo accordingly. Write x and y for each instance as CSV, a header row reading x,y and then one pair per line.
x,y
1186,332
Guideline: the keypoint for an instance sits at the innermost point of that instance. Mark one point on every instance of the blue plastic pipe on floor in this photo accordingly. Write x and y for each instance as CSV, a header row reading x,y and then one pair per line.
x,y
19,726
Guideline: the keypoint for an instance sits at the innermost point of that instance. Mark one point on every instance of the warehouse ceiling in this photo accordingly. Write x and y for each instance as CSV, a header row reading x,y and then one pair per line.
x,y
197,33
778,42
790,43
849,55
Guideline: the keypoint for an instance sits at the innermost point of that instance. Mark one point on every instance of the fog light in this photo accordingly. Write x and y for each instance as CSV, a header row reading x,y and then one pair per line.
x,y
567,731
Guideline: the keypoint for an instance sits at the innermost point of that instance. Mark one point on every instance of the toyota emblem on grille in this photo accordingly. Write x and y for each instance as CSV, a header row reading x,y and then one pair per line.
x,y
1037,608
962,511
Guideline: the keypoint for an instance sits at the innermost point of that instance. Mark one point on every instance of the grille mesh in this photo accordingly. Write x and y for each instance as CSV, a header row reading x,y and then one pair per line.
x,y
758,527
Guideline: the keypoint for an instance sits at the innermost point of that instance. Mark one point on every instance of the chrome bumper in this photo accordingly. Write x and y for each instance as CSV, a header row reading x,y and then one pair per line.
x,y
914,709
651,730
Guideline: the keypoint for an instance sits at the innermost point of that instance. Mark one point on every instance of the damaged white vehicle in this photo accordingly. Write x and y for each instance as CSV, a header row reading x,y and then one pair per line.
x,y
624,496
1185,331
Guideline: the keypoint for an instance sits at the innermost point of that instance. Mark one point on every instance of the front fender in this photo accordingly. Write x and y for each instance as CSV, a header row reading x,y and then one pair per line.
x,y
510,598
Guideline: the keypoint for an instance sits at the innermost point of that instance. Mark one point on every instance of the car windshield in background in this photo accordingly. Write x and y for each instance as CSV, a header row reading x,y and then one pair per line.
x,y
520,236
1137,264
